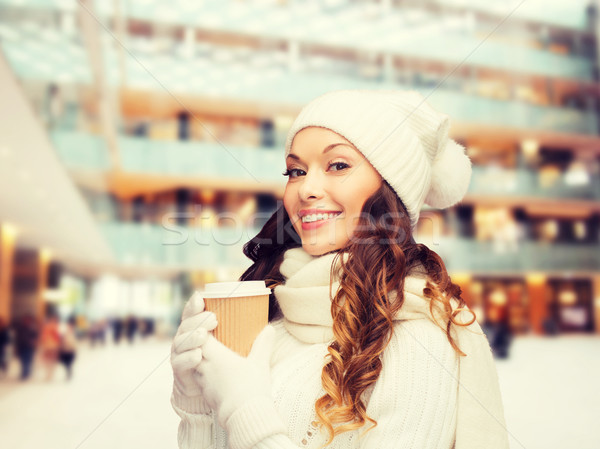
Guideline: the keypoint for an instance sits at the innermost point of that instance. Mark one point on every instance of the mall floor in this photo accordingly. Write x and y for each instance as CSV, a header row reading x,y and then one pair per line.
x,y
119,398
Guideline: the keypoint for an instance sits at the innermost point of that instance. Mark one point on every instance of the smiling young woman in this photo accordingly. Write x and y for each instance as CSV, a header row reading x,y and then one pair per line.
x,y
370,344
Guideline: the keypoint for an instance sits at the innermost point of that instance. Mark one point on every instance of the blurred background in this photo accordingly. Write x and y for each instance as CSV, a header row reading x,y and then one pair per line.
x,y
141,145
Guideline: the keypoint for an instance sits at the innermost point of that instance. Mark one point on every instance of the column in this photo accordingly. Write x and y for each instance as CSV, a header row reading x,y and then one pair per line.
x,y
8,235
43,263
29,282
537,291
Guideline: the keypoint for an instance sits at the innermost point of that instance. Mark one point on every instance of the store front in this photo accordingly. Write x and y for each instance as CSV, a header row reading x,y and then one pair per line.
x,y
571,304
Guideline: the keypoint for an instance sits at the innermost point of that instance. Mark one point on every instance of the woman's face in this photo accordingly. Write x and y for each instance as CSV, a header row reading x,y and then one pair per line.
x,y
329,182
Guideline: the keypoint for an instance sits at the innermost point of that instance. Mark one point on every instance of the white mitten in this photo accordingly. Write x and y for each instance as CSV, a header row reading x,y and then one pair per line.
x,y
186,355
230,381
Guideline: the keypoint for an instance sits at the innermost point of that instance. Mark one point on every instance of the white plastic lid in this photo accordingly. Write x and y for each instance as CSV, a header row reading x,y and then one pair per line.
x,y
235,289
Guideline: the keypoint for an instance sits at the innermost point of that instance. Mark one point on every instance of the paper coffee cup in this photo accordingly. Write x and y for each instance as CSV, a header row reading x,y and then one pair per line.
x,y
242,309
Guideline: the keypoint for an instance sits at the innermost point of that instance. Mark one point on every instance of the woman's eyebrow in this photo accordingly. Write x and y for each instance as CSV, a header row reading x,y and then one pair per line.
x,y
325,150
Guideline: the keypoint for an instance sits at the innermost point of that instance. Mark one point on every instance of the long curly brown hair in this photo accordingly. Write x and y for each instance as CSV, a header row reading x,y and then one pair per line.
x,y
378,257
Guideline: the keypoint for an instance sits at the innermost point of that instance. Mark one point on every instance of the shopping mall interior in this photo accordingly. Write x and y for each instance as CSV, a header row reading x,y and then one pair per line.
x,y
142,141
144,145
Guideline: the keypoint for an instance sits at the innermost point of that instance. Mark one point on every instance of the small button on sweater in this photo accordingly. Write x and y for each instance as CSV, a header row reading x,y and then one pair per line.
x,y
426,396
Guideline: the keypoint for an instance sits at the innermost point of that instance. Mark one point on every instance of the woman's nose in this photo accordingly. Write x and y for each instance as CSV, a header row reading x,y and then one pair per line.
x,y
312,187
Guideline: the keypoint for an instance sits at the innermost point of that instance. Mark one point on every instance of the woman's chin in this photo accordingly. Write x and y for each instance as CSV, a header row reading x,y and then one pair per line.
x,y
319,250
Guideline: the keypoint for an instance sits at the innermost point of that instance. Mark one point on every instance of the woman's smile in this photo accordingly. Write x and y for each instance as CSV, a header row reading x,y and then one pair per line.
x,y
314,218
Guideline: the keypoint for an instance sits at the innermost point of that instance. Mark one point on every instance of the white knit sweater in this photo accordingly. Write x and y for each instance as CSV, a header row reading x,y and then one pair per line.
x,y
415,400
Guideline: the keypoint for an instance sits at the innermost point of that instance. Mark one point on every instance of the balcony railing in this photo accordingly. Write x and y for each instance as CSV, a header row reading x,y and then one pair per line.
x,y
178,247
52,54
449,38
200,159
473,256
526,182
212,160
552,12
207,248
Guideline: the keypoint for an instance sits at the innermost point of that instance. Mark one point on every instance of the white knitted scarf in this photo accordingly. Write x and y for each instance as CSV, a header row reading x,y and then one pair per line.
x,y
305,301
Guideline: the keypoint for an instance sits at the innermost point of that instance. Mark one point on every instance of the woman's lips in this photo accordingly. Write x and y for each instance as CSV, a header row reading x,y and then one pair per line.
x,y
314,220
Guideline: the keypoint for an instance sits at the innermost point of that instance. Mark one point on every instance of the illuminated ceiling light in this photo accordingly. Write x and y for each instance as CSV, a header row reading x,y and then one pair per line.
x,y
476,288
45,254
535,278
9,231
461,278
550,229
530,148
498,297
472,150
579,230
567,297
577,174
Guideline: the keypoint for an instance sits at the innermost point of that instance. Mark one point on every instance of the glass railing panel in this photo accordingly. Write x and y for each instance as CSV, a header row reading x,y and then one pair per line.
x,y
177,246
461,254
188,247
570,14
81,150
512,114
141,155
525,182
380,33
200,159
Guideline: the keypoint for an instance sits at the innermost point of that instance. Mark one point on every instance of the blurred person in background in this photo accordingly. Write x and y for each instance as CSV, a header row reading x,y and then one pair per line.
x,y
498,331
148,329
117,327
131,325
370,343
4,341
97,332
27,332
68,346
54,105
81,326
49,345
497,327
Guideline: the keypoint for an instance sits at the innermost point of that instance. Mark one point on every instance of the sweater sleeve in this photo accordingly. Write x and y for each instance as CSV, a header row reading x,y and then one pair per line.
x,y
196,425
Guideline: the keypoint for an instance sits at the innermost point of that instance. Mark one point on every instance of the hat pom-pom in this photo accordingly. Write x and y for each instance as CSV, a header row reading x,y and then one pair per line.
x,y
450,176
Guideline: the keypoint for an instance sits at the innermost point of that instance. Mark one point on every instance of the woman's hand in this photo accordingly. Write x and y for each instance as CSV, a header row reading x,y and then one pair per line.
x,y
186,350
229,382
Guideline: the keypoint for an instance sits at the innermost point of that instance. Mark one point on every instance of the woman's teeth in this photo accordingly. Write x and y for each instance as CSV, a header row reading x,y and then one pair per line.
x,y
316,217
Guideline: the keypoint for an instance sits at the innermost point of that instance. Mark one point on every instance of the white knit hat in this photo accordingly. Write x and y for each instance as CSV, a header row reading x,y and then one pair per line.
x,y
401,136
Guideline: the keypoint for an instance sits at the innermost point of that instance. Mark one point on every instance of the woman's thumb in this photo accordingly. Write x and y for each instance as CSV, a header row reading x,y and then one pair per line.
x,y
262,348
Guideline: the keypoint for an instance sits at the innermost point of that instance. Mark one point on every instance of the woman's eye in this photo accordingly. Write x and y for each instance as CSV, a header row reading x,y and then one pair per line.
x,y
293,172
337,166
